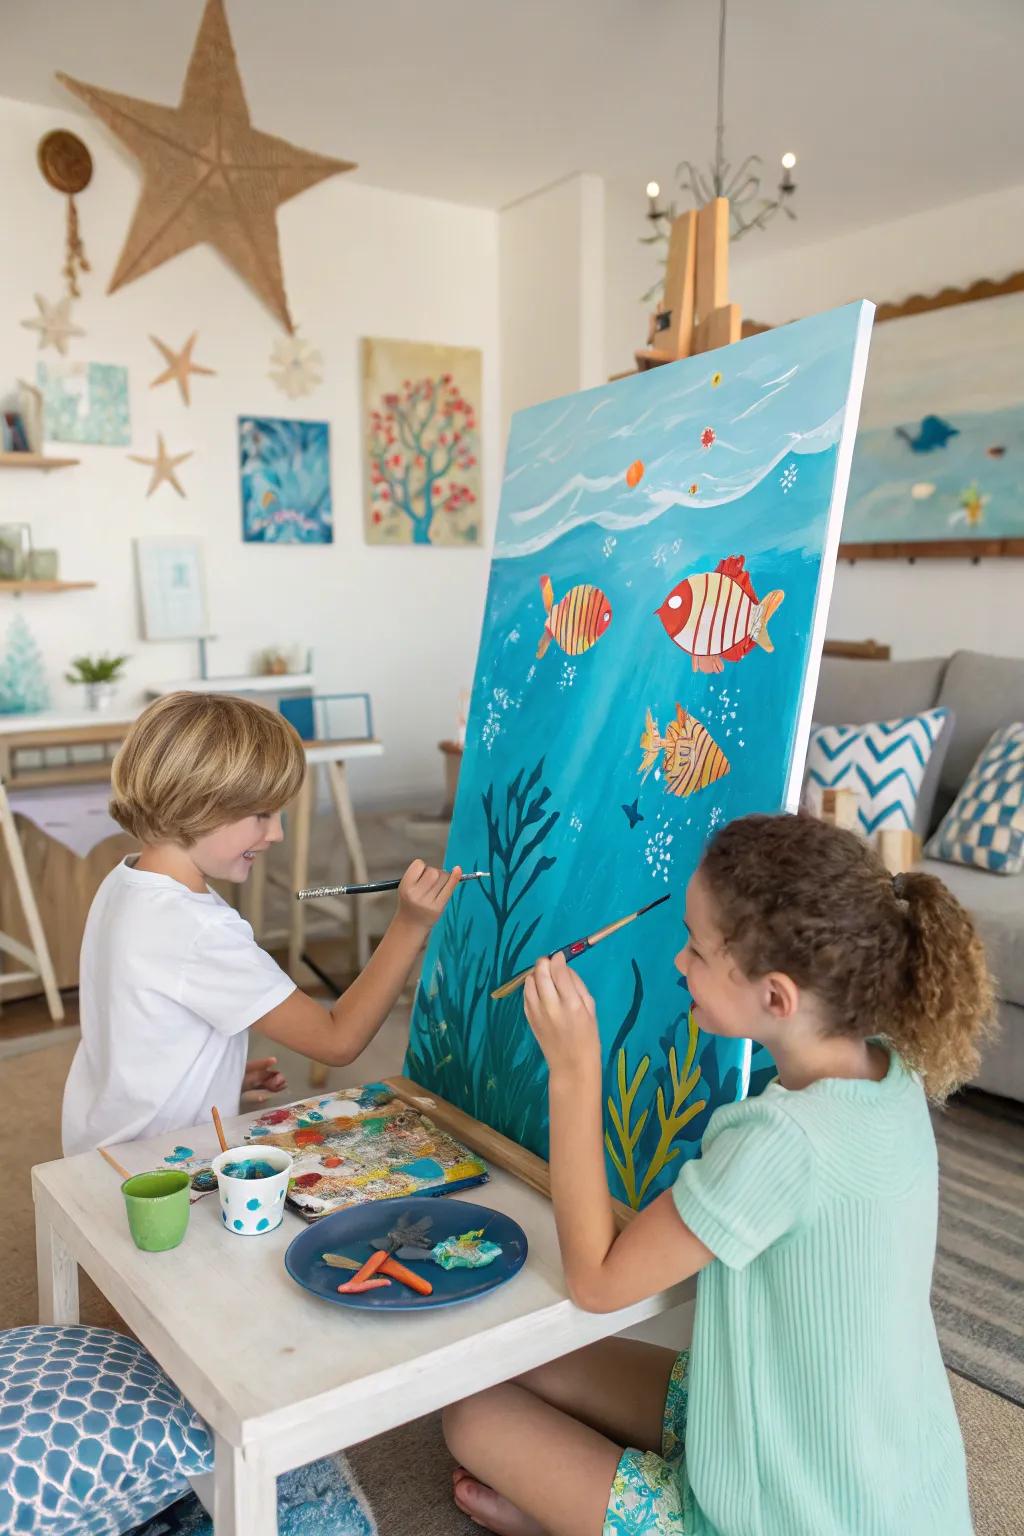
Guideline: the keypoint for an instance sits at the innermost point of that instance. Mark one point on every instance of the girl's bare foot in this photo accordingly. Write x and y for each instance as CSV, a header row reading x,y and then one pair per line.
x,y
490,1509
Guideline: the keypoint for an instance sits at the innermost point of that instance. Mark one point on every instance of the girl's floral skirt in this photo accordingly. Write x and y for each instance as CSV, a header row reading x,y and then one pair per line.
x,y
649,1491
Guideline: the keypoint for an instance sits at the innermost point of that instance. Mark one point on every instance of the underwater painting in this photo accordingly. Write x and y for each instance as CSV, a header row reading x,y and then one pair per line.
x,y
285,470
662,570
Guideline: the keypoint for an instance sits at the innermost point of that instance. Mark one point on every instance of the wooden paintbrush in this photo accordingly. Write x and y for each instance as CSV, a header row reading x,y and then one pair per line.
x,y
372,887
219,1128
577,947
108,1157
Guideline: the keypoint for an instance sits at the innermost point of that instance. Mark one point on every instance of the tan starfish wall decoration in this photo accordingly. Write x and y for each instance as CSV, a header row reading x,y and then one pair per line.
x,y
53,323
163,466
179,366
209,175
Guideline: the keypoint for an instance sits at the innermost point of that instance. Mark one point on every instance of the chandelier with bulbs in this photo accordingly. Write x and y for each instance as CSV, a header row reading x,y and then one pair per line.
x,y
749,207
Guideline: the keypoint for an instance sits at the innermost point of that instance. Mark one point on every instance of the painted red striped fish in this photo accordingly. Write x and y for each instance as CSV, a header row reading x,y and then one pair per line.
x,y
717,616
577,621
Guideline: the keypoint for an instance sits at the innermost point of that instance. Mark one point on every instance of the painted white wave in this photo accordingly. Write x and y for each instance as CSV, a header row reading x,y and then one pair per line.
x,y
715,491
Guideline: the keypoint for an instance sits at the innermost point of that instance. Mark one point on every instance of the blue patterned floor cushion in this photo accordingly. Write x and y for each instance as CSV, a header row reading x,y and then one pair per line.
x,y
322,1499
93,1436
883,763
985,826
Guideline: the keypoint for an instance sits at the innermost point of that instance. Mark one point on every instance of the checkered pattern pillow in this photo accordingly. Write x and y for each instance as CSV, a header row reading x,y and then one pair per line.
x,y
985,827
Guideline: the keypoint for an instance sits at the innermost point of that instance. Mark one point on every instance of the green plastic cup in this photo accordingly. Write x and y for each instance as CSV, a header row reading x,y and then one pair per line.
x,y
158,1208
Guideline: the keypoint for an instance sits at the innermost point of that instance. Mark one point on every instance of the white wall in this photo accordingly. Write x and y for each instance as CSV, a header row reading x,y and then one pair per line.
x,y
553,293
358,261
932,606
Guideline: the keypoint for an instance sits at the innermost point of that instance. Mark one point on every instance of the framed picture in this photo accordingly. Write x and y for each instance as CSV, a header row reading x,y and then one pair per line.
x,y
85,402
285,472
421,443
172,589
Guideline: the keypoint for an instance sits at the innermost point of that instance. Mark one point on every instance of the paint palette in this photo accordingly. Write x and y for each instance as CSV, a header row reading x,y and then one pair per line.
x,y
356,1233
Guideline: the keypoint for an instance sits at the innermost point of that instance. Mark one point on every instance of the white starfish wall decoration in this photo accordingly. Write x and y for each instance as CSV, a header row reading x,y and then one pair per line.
x,y
53,323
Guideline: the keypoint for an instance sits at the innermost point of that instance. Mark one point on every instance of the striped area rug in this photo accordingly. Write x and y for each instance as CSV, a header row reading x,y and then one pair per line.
x,y
978,1291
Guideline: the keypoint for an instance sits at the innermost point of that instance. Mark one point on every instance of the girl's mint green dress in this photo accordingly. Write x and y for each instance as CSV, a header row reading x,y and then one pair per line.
x,y
818,1404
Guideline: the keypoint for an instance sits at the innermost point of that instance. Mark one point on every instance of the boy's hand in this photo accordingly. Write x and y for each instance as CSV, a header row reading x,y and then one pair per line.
x,y
424,893
262,1078
562,1015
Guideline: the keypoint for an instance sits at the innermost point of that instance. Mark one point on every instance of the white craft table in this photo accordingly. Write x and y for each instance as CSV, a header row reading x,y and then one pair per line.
x,y
281,1376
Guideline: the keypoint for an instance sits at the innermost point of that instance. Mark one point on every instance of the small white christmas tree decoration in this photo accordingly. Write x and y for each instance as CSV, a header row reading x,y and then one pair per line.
x,y
23,686
296,366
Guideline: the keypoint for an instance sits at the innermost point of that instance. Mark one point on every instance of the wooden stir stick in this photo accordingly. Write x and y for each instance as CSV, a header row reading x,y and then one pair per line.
x,y
117,1167
218,1127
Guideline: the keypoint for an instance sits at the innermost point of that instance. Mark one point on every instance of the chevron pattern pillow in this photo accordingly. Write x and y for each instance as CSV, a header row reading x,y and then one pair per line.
x,y
985,826
883,763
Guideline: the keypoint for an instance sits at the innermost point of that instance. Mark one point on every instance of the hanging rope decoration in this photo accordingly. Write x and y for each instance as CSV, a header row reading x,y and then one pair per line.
x,y
67,166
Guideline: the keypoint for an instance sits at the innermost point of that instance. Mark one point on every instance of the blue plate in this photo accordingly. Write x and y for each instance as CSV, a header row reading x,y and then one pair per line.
x,y
355,1232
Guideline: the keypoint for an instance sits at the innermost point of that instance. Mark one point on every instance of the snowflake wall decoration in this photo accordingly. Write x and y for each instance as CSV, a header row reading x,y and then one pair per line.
x,y
296,366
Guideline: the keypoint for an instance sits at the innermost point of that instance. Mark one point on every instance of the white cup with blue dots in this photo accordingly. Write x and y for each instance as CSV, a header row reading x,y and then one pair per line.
x,y
250,1206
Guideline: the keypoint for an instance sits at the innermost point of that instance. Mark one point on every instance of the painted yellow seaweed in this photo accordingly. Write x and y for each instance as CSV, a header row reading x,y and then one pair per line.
x,y
680,1114
627,1133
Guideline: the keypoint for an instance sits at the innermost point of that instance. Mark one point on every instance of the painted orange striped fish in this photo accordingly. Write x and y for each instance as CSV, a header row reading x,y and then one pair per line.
x,y
691,760
717,617
577,621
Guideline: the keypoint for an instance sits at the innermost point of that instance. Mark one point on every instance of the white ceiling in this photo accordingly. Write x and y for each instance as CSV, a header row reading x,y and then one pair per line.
x,y
891,106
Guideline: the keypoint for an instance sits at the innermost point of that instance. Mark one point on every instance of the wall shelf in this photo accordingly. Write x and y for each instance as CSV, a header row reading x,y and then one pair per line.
x,y
17,587
34,461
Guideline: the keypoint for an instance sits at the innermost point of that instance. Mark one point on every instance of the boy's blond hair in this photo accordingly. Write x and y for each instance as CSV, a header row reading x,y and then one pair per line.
x,y
193,762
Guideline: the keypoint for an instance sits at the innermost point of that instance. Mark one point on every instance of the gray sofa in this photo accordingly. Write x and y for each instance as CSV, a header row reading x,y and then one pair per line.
x,y
983,693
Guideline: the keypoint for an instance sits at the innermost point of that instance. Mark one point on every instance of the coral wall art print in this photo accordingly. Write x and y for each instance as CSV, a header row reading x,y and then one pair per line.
x,y
285,470
421,443
662,570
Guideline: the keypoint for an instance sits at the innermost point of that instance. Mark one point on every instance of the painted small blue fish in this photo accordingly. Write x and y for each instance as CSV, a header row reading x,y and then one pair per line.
x,y
633,814
931,434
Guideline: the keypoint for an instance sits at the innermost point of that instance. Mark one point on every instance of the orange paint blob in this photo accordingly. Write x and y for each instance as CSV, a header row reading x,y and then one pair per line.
x,y
635,473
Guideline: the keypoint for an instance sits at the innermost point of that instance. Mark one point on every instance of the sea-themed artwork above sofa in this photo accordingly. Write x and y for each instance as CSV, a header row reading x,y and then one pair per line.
x,y
938,468
662,570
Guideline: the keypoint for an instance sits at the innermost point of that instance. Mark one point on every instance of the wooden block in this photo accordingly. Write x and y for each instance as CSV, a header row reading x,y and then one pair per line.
x,y
899,849
676,339
712,277
839,807
490,1144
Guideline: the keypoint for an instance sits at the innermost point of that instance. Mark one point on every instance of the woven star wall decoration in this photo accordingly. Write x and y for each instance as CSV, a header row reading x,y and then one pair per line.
x,y
53,323
179,366
163,466
209,175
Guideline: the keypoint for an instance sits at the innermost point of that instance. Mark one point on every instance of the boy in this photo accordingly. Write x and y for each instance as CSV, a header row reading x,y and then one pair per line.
x,y
172,979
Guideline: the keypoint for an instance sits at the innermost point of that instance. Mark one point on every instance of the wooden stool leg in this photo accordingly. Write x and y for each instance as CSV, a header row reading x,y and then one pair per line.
x,y
350,833
299,818
37,937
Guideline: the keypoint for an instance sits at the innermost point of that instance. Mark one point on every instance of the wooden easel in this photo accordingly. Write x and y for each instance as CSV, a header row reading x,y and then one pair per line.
x,y
36,960
695,314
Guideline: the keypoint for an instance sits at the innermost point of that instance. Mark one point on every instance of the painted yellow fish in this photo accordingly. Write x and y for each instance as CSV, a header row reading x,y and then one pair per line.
x,y
691,759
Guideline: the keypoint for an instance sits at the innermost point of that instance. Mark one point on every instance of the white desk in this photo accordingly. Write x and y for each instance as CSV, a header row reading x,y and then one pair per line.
x,y
280,1376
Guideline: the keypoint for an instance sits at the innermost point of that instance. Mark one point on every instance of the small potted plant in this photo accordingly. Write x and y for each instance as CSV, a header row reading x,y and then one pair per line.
x,y
101,675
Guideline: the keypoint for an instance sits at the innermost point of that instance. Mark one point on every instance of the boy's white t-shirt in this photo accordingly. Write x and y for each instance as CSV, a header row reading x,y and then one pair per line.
x,y
170,981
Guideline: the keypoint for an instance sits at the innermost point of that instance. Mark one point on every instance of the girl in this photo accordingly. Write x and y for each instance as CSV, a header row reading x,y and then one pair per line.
x,y
818,1401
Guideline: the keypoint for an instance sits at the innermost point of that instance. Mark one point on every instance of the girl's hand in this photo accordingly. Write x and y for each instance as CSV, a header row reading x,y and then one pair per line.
x,y
562,1015
261,1079
424,893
